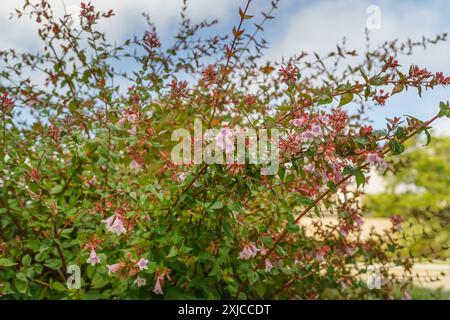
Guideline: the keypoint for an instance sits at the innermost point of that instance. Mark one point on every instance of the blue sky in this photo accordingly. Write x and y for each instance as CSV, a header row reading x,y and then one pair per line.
x,y
299,25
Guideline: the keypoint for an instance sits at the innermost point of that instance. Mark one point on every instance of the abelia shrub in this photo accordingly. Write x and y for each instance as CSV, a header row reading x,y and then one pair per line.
x,y
88,182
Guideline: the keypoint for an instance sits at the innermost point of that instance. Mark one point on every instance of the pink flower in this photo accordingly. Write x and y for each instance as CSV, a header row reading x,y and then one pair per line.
x,y
151,40
268,265
288,73
114,224
350,249
263,251
113,268
224,140
440,78
406,295
182,176
129,117
132,118
357,219
374,159
133,131
296,122
158,289
307,136
397,222
93,258
316,131
249,251
135,165
140,282
122,121
322,252
142,264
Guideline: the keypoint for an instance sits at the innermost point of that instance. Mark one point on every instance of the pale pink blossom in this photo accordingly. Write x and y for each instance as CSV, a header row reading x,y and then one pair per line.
x,y
358,220
122,121
316,131
322,252
158,289
140,282
127,118
93,258
406,295
114,224
397,222
296,122
320,256
374,158
142,264
248,252
113,268
135,165
350,249
182,176
225,140
133,131
307,136
132,118
268,265
263,251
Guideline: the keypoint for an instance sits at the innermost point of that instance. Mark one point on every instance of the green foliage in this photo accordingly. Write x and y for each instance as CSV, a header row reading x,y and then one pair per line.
x,y
419,192
89,180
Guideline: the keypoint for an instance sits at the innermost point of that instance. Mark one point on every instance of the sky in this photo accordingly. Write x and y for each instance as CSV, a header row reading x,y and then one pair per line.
x,y
300,25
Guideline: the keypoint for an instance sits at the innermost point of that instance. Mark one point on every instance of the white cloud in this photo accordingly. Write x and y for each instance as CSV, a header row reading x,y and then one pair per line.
x,y
320,25
442,127
22,34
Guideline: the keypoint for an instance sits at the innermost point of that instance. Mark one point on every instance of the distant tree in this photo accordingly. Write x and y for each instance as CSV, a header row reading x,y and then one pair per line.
x,y
418,191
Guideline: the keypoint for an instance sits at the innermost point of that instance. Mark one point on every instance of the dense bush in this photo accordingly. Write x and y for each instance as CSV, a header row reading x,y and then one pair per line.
x,y
91,182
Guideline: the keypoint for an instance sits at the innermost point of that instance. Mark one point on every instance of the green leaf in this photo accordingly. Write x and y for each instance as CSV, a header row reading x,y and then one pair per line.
x,y
173,252
21,285
332,186
444,110
292,227
396,147
349,170
217,205
98,282
6,262
260,289
26,260
428,135
357,173
378,81
21,276
345,99
398,88
324,99
56,189
360,178
58,286
302,200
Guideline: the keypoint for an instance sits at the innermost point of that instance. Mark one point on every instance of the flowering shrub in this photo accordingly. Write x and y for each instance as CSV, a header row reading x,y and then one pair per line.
x,y
91,183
